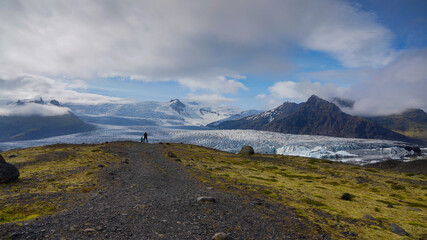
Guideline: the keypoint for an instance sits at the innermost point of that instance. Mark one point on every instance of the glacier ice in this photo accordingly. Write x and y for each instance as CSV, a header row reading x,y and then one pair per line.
x,y
350,150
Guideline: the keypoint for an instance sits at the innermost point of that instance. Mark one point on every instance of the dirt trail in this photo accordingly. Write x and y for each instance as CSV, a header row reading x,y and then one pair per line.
x,y
154,197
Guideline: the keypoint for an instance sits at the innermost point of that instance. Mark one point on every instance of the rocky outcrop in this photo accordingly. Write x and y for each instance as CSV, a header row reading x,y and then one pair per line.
x,y
398,230
8,172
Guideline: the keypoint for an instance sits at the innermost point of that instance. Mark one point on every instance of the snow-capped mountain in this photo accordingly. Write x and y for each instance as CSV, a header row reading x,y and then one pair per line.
x,y
259,119
314,117
171,113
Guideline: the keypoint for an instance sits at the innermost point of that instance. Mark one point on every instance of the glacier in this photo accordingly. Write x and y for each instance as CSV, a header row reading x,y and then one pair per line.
x,y
351,150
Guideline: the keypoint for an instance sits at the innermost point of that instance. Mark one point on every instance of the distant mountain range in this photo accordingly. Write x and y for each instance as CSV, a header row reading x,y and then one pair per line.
x,y
17,128
314,117
172,113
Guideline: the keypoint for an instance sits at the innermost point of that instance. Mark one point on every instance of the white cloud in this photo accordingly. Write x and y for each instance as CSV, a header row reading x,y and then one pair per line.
x,y
31,109
209,98
33,87
180,40
214,84
301,91
398,86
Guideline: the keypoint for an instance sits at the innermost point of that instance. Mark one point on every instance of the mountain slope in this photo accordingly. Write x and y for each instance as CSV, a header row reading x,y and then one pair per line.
x,y
411,123
16,128
258,121
171,113
314,117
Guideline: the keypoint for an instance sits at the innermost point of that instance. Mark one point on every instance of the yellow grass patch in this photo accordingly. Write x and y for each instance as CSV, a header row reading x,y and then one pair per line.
x,y
314,188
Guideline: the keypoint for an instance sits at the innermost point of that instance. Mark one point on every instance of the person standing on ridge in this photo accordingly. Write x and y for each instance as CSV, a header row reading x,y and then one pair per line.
x,y
141,139
145,137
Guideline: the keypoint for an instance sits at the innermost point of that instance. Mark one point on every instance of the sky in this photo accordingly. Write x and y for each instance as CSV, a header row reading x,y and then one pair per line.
x,y
252,54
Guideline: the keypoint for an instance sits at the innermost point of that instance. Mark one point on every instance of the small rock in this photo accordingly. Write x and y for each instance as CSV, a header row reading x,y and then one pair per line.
x,y
247,150
390,206
101,166
206,199
89,230
8,172
369,217
178,160
258,202
171,154
349,233
346,196
398,230
13,156
416,209
221,236
209,188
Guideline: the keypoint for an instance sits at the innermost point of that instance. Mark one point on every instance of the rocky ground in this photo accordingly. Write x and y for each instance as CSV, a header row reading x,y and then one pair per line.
x,y
152,196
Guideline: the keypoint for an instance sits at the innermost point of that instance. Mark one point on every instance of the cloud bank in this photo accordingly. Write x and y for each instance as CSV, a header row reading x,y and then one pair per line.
x,y
183,40
33,87
398,86
32,109
206,46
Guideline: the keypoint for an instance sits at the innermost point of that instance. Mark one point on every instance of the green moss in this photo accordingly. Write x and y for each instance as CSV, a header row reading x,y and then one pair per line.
x,y
266,192
313,202
414,204
73,168
20,212
371,170
397,187
396,196
417,224
332,183
299,187
387,202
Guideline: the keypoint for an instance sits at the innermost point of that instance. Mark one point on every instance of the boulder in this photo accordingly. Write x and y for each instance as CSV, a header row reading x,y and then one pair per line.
x,y
247,150
398,230
369,217
171,154
8,172
346,196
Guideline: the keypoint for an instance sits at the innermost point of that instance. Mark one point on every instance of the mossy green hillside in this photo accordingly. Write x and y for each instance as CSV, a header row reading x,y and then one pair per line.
x,y
49,177
314,188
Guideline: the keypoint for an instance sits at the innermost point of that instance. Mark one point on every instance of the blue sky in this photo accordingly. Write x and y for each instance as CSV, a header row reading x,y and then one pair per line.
x,y
247,53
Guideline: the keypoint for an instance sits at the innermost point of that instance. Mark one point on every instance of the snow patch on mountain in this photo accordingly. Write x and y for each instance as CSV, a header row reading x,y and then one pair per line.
x,y
171,113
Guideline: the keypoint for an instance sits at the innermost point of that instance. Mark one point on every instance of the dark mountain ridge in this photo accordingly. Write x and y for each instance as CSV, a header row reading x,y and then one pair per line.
x,y
18,128
314,117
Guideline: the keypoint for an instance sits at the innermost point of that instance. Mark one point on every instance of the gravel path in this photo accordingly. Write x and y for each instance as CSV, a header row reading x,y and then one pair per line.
x,y
154,197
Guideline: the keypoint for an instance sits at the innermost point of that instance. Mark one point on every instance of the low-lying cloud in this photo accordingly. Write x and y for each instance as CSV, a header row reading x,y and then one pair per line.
x,y
32,109
33,87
